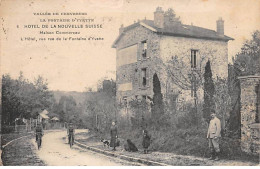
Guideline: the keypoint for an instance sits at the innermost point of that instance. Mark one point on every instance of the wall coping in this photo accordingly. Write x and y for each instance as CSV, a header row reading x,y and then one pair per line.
x,y
255,125
249,77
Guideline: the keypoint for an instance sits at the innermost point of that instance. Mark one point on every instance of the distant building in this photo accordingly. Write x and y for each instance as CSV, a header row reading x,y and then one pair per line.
x,y
145,47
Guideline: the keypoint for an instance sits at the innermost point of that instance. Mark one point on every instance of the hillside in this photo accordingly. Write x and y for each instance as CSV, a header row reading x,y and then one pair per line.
x,y
78,96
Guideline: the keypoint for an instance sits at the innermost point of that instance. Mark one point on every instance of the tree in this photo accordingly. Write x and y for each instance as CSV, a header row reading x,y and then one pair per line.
x,y
157,106
209,90
222,100
246,62
100,107
21,98
140,117
248,58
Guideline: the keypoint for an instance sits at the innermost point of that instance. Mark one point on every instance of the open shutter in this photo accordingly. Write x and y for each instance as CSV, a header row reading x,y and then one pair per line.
x,y
139,78
139,51
148,76
198,60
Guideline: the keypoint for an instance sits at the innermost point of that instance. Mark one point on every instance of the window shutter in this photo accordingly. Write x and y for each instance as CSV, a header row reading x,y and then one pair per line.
x,y
191,58
148,76
139,51
139,78
198,59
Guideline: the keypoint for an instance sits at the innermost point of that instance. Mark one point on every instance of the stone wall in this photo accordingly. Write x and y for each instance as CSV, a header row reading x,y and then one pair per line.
x,y
180,47
131,72
160,49
249,128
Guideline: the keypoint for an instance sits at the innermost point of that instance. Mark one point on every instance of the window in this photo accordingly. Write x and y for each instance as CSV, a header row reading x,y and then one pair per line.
x,y
144,78
194,58
136,76
144,50
125,101
144,97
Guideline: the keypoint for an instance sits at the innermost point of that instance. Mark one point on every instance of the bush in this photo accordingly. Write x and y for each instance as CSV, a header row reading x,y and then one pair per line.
x,y
187,119
7,129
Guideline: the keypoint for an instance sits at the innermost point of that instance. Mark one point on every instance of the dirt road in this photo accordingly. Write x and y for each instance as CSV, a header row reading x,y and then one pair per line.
x,y
56,152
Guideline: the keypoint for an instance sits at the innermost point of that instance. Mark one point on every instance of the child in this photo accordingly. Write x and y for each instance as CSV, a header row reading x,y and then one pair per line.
x,y
146,141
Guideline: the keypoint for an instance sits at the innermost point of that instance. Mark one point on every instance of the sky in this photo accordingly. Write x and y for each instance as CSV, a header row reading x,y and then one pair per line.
x,y
77,65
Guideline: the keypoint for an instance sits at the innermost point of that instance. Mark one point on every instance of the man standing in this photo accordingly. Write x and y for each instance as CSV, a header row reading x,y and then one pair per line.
x,y
114,136
38,131
71,132
213,136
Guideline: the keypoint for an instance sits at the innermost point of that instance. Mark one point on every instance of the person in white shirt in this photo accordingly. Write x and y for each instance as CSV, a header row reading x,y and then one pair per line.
x,y
213,136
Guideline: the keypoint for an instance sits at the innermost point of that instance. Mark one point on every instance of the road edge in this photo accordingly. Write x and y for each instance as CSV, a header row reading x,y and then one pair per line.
x,y
123,157
3,146
1,162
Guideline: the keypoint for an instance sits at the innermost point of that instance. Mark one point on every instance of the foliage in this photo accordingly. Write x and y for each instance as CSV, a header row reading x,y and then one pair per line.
x,y
222,101
67,109
170,16
186,119
246,62
140,118
248,58
209,91
100,107
157,108
24,99
234,121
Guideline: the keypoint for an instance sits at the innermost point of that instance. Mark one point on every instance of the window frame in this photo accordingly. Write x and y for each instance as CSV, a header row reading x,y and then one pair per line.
x,y
144,49
193,58
144,78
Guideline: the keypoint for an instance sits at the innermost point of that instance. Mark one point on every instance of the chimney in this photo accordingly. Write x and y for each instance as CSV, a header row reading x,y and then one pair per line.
x,y
159,17
220,26
121,29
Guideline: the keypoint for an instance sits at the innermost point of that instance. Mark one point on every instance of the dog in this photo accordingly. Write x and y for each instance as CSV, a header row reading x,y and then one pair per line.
x,y
105,142
130,146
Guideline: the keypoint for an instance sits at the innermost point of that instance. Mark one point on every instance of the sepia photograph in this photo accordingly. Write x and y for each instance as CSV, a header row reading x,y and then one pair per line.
x,y
130,82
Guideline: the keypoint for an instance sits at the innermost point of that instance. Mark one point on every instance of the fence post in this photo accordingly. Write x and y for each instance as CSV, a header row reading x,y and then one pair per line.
x,y
15,126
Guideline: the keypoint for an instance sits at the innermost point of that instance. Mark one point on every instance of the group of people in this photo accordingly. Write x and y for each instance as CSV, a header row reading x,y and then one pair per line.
x,y
213,136
129,145
39,132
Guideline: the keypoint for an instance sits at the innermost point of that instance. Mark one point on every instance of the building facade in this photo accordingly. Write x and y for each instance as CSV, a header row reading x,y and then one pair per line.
x,y
148,47
250,125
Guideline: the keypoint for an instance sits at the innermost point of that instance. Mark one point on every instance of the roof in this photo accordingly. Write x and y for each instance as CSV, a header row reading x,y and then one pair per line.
x,y
44,116
180,30
55,119
51,115
44,112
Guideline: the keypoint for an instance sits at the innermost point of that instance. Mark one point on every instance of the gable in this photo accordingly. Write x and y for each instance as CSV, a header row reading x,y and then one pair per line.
x,y
133,35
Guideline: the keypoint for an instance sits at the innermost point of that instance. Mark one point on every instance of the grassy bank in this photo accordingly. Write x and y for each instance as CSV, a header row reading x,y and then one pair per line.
x,y
191,142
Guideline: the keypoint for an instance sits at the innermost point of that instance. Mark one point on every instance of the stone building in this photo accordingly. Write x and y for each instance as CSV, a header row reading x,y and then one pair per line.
x,y
250,102
147,47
